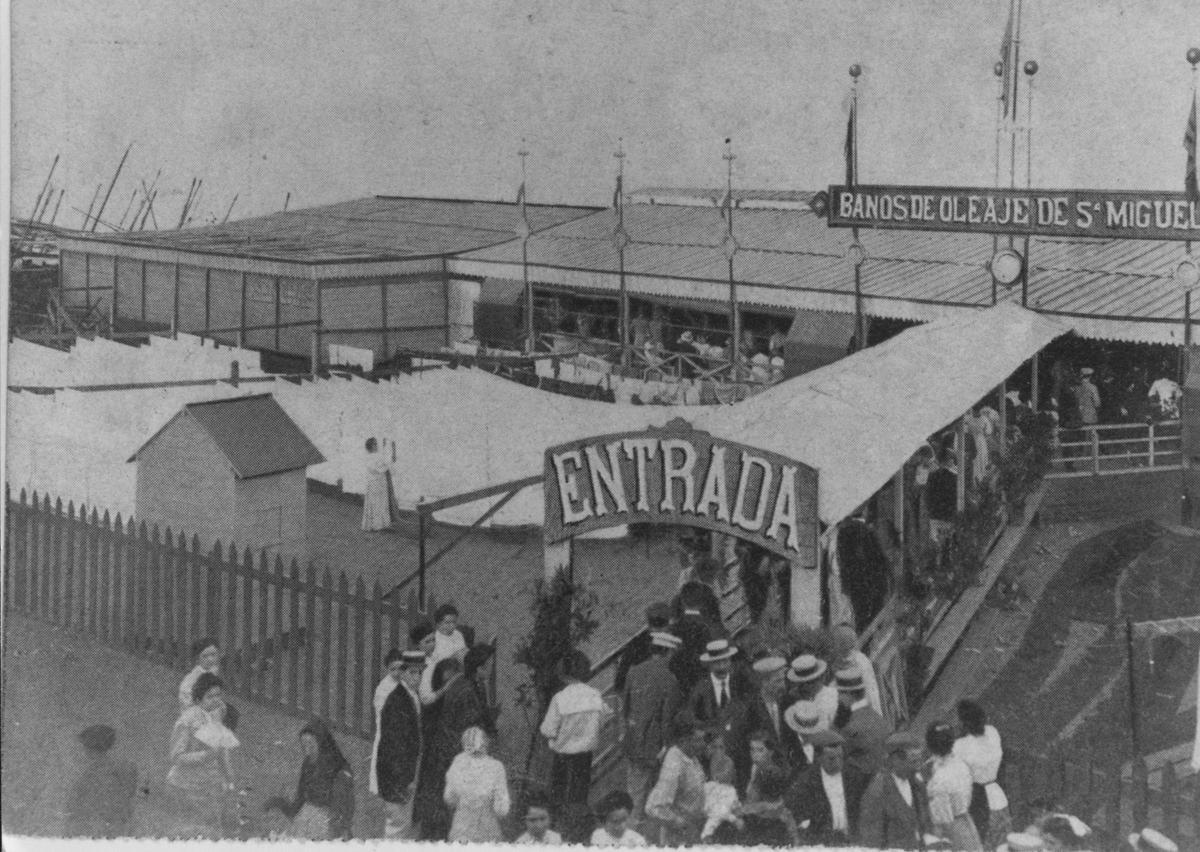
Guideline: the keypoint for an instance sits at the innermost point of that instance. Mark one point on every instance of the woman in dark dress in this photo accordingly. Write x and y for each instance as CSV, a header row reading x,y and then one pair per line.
x,y
429,811
464,705
323,808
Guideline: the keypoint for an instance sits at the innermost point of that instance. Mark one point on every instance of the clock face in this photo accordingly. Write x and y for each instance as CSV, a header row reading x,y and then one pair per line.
x,y
1006,266
1187,274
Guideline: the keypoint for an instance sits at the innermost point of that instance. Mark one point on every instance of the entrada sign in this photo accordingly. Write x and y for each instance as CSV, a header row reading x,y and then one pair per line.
x,y
679,475
1049,212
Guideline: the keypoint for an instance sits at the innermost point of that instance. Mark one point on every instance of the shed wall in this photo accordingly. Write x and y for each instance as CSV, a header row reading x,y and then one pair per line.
x,y
184,482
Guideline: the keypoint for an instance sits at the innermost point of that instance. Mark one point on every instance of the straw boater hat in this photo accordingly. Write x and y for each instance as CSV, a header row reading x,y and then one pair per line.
x,y
412,658
803,717
769,665
849,679
1149,840
1021,842
806,668
1086,371
718,649
665,640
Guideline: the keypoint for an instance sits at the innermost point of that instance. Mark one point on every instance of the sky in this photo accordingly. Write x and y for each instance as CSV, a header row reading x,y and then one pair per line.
x,y
337,100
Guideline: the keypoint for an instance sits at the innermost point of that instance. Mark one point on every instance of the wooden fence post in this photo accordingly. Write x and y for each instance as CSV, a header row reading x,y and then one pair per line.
x,y
229,631
184,569
263,661
1150,446
212,591
360,639
246,652
343,592
50,603
377,635
154,592
34,576
312,637
67,568
293,634
326,641
108,559
170,630
277,658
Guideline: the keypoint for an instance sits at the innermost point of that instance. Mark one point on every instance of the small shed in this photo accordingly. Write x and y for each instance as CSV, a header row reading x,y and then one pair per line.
x,y
229,470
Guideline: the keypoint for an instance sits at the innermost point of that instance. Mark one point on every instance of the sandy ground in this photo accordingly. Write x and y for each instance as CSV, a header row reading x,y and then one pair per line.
x,y
56,683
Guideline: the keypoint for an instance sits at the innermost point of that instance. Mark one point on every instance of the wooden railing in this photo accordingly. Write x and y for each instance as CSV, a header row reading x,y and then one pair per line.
x,y
1116,800
1118,448
293,639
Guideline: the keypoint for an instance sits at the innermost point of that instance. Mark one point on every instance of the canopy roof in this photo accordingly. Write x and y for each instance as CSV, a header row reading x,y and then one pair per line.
x,y
857,420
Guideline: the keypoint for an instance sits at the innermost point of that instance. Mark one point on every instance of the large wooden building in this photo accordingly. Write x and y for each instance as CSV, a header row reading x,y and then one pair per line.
x,y
370,273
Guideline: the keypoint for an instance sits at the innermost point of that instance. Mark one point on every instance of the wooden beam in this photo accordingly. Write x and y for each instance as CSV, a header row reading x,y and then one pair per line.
x,y
479,494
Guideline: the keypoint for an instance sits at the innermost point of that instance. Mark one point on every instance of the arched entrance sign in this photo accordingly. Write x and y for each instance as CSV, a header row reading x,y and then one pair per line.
x,y
684,476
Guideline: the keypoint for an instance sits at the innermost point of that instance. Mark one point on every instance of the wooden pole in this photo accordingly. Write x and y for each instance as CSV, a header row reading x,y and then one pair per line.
x,y
1133,705
420,553
287,198
128,207
230,210
38,202
57,204
187,201
87,217
111,184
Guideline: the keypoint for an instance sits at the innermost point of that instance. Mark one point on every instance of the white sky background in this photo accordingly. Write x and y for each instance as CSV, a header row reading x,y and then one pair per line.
x,y
338,100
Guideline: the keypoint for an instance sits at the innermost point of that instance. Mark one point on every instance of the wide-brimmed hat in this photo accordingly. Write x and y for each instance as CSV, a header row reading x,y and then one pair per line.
x,y
769,665
718,649
1086,371
803,717
1149,840
849,679
665,640
1021,842
806,668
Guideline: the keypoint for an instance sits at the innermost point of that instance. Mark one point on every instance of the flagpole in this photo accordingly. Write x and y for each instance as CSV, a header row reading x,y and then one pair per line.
x,y
1193,58
1031,68
859,331
530,341
621,239
1012,160
735,338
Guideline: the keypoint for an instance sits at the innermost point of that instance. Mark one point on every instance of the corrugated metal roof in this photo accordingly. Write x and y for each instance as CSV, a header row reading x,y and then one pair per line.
x,y
368,229
253,433
795,249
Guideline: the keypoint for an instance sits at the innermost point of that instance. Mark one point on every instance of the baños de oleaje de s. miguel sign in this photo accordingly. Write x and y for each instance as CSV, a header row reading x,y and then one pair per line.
x,y
1049,212
679,475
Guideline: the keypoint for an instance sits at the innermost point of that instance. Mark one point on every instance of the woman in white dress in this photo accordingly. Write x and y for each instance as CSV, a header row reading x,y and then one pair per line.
x,y
978,745
476,791
949,789
377,503
201,780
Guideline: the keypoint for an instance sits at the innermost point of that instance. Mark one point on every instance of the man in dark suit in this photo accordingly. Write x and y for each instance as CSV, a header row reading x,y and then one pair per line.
x,y
399,751
825,797
804,721
658,617
722,691
765,712
864,730
694,632
651,700
894,813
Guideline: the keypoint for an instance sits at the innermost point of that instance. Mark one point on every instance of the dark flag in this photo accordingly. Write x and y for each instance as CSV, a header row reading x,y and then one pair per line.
x,y
1189,144
727,205
523,226
617,199
1006,59
851,144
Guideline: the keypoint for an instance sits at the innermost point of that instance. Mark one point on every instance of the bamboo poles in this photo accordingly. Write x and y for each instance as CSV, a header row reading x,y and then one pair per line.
x,y
113,183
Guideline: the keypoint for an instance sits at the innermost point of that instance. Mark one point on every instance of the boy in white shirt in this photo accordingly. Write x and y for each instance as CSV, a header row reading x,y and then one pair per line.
x,y
721,805
613,811
572,725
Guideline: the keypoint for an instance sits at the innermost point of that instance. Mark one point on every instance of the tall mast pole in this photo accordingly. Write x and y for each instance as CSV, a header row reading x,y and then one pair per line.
x,y
530,341
621,239
731,247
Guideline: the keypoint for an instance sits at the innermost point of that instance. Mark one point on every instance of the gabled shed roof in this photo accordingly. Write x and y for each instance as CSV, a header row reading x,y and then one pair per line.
x,y
252,432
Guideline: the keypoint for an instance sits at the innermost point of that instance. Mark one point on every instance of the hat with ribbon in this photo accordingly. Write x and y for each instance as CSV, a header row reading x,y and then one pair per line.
x,y
803,717
848,679
769,665
718,649
806,668
1021,842
661,639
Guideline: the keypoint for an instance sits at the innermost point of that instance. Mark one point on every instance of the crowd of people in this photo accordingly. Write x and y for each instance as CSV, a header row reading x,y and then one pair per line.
x,y
725,740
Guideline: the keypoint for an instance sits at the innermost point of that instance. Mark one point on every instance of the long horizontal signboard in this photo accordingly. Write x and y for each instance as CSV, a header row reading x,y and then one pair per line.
x,y
1049,212
679,475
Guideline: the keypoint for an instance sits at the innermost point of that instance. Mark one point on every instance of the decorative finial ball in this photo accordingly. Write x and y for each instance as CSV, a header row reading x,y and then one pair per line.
x,y
1031,68
855,70
1193,56
998,69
